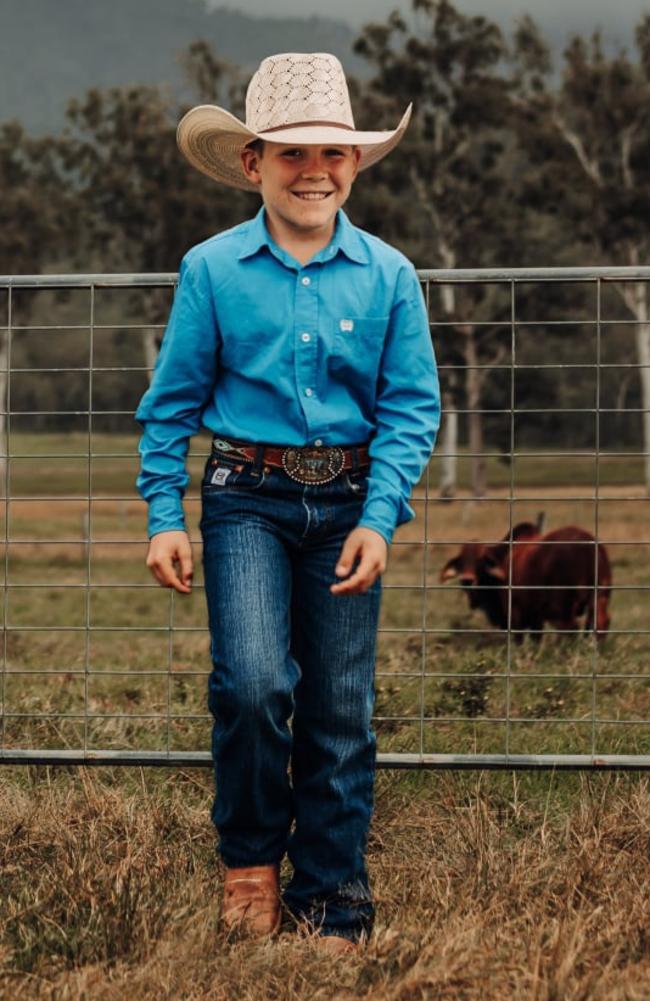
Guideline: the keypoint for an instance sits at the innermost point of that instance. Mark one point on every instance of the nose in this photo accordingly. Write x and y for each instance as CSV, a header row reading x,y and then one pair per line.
x,y
314,166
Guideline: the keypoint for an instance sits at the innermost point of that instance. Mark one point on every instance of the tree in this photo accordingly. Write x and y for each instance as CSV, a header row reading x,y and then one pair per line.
x,y
37,219
590,142
144,204
37,212
450,184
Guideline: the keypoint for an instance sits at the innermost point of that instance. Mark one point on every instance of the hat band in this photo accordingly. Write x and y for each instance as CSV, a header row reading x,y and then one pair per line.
x,y
301,125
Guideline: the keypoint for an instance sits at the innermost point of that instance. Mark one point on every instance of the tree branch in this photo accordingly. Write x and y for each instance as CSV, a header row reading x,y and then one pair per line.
x,y
447,255
626,148
590,167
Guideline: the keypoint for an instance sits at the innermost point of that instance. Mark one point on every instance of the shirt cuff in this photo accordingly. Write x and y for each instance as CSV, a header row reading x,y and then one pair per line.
x,y
166,514
383,516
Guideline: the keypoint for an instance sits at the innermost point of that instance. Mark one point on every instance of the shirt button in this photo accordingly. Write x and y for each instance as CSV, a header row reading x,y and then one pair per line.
x,y
318,442
309,392
306,280
305,337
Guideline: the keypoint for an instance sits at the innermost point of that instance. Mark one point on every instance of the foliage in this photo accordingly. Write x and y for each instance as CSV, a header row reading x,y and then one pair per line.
x,y
503,164
145,205
37,213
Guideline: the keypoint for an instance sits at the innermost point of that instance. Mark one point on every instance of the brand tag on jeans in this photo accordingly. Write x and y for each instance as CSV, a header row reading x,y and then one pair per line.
x,y
220,475
347,326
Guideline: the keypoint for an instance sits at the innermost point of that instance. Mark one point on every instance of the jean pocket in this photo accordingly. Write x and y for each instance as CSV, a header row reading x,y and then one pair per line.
x,y
357,483
223,474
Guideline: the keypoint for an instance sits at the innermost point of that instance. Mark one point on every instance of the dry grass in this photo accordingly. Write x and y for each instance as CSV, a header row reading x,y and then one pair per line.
x,y
488,886
63,689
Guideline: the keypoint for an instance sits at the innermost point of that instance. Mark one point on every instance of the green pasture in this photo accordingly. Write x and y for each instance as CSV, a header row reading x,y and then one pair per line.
x,y
110,463
87,629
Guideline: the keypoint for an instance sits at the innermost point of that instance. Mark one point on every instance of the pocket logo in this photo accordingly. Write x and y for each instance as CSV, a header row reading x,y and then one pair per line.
x,y
220,475
347,326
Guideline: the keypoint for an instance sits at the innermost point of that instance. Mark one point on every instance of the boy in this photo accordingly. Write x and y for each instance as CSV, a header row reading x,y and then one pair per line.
x,y
303,344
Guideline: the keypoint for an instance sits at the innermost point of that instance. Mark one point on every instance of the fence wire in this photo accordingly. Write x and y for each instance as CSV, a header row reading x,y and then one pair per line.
x,y
546,423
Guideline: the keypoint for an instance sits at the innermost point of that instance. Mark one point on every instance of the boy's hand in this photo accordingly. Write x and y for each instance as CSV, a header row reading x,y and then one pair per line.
x,y
170,560
370,548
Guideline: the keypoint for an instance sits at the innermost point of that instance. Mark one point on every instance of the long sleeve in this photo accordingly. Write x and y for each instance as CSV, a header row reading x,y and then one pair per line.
x,y
407,411
170,411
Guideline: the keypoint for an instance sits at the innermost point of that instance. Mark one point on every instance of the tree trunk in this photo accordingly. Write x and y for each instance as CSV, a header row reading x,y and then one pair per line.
x,y
4,382
449,429
475,418
448,446
643,352
150,345
635,297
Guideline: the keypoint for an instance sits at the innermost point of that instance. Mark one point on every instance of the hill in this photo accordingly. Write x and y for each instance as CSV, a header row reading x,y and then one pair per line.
x,y
53,51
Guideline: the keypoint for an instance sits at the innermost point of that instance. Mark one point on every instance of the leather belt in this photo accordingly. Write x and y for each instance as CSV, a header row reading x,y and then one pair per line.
x,y
307,464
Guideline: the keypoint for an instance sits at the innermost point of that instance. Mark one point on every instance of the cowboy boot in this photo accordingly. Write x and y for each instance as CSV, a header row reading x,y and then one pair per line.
x,y
251,900
335,945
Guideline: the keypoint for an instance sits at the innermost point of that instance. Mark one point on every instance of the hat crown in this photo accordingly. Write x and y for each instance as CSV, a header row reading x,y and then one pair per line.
x,y
297,87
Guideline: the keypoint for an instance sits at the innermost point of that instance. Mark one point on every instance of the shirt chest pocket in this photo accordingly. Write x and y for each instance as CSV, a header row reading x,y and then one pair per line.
x,y
357,344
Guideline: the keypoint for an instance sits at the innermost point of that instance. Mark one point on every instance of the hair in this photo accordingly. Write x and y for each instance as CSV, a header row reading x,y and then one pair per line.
x,y
257,145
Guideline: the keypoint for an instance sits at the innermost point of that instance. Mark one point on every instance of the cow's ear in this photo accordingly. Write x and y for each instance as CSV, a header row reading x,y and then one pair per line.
x,y
494,566
449,571
497,570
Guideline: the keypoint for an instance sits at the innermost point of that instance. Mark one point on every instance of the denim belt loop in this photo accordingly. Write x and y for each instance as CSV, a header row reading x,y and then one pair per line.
x,y
355,460
259,458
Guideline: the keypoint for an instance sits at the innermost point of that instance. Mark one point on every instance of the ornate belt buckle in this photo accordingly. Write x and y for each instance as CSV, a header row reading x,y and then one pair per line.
x,y
313,465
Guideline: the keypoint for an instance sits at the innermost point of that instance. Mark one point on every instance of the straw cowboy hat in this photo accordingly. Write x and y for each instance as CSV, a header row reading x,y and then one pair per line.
x,y
294,97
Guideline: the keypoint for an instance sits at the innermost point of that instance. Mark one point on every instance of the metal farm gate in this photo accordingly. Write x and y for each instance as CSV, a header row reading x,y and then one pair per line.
x,y
546,398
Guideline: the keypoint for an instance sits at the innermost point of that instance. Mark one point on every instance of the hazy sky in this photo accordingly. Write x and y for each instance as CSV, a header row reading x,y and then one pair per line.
x,y
617,19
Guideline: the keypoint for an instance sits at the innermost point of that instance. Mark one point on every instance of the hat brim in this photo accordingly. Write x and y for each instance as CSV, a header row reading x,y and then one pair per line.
x,y
212,139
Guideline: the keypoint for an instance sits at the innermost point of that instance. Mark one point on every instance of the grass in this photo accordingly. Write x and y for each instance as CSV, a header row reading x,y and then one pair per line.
x,y
488,885
460,686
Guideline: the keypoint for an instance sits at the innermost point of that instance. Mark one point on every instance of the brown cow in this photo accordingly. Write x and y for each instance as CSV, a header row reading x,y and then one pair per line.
x,y
552,579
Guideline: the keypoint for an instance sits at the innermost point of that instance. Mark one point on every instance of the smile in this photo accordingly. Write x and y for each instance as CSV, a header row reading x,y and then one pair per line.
x,y
312,196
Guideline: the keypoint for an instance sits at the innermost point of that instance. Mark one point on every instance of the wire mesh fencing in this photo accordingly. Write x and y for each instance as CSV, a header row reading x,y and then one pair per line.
x,y
514,624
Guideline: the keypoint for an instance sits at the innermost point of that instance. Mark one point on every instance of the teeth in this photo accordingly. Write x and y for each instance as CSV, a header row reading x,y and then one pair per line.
x,y
312,196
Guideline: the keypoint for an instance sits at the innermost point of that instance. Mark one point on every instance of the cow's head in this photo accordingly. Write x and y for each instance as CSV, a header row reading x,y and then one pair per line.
x,y
464,567
474,556
479,568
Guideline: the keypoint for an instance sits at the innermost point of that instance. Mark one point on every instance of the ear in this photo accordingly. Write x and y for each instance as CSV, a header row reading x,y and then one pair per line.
x,y
250,161
493,567
356,152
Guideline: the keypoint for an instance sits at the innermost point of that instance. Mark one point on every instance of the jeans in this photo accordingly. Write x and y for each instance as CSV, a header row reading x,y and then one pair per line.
x,y
292,686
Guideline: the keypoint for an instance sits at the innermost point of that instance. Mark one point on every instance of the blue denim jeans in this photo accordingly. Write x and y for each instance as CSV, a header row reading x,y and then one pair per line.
x,y
292,686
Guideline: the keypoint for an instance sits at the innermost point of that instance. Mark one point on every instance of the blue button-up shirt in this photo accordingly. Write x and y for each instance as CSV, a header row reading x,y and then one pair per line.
x,y
260,348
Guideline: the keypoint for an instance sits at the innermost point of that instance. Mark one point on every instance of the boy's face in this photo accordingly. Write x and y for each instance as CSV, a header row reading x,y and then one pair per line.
x,y
302,186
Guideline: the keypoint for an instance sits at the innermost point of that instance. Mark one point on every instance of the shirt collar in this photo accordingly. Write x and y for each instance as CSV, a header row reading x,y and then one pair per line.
x,y
346,240
255,237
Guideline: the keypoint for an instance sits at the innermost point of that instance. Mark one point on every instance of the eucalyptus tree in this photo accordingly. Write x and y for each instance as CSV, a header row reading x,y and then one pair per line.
x,y
37,212
448,195
37,223
589,139
144,205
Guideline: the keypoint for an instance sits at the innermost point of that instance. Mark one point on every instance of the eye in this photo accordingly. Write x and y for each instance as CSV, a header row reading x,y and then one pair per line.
x,y
335,153
291,154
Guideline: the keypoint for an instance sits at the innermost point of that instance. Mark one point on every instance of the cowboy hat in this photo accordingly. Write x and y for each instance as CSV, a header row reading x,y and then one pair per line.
x,y
294,97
